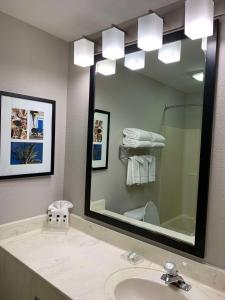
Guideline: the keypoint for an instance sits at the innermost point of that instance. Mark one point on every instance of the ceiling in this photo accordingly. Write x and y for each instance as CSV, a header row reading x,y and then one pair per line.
x,y
70,19
176,75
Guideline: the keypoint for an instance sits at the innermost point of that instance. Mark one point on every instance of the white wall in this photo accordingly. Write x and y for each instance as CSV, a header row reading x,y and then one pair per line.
x,y
33,63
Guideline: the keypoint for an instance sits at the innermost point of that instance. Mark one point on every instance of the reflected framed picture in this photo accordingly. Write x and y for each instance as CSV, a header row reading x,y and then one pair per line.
x,y
100,139
27,136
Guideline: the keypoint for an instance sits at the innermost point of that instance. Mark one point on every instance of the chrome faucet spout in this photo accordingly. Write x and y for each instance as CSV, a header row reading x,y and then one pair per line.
x,y
172,277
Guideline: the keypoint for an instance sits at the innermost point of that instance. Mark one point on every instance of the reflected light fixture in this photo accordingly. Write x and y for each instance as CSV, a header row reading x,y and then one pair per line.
x,y
199,16
170,53
83,53
198,76
113,43
204,44
106,67
135,60
150,32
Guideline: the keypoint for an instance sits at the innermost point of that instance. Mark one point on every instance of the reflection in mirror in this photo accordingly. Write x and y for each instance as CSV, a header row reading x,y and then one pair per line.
x,y
151,180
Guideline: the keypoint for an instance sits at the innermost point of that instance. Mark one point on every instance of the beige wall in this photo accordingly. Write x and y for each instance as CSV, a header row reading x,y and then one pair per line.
x,y
34,63
76,147
76,135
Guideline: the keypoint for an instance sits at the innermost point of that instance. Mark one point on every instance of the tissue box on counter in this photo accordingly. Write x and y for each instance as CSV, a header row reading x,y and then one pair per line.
x,y
58,213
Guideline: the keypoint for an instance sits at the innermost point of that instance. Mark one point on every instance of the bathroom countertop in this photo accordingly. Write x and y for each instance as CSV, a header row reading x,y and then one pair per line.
x,y
76,263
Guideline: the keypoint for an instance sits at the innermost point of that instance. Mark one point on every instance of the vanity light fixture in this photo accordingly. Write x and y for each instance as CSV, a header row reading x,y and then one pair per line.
x,y
135,60
204,44
83,53
150,32
199,18
106,67
170,53
198,76
113,43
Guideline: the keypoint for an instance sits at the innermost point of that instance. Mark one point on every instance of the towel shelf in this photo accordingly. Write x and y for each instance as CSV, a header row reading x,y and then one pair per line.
x,y
124,151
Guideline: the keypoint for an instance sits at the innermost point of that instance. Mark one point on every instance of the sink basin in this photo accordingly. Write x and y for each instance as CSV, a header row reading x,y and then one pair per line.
x,y
142,289
145,284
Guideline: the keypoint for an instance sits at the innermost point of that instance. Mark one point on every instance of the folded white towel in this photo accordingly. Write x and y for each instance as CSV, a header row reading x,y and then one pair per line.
x,y
142,135
141,144
141,169
133,171
144,174
151,167
130,171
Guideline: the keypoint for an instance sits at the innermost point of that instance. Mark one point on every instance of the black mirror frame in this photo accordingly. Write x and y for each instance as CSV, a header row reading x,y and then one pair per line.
x,y
207,123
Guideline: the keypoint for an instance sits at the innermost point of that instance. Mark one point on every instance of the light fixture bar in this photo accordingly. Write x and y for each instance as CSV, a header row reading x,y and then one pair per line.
x,y
150,32
113,43
83,53
199,16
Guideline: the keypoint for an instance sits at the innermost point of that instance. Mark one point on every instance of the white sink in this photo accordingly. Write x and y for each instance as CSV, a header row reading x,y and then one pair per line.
x,y
145,284
142,289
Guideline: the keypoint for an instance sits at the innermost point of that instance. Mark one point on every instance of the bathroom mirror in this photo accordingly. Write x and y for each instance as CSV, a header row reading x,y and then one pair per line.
x,y
155,151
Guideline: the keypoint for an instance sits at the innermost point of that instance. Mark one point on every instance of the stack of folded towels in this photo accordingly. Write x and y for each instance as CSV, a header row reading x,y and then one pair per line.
x,y
135,138
141,169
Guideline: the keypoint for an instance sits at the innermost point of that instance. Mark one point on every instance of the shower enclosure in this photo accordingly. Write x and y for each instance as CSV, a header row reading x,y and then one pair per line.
x,y
179,164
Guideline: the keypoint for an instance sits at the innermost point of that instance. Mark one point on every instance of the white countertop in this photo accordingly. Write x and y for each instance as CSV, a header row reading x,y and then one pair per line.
x,y
75,263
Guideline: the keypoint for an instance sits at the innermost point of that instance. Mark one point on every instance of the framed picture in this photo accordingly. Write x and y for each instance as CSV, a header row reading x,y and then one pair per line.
x,y
27,136
100,139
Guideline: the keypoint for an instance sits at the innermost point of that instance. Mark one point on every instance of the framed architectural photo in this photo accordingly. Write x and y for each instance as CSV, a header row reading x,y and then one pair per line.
x,y
27,136
100,139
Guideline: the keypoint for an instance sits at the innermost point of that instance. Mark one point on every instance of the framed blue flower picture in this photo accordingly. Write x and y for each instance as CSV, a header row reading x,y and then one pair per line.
x,y
27,136
100,139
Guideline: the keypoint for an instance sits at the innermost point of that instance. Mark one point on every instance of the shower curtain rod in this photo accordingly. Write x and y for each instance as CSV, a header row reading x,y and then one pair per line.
x,y
179,105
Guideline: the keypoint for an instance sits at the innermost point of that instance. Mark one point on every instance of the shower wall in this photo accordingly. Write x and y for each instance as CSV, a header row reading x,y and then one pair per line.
x,y
192,143
180,161
170,188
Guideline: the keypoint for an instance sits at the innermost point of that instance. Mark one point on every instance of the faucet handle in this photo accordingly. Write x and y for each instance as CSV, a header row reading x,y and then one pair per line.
x,y
170,268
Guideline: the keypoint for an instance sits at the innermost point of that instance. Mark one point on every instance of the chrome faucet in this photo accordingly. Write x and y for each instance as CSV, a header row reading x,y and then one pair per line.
x,y
172,277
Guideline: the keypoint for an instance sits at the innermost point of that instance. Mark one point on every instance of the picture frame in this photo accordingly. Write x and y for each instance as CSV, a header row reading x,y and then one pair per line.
x,y
27,136
100,145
